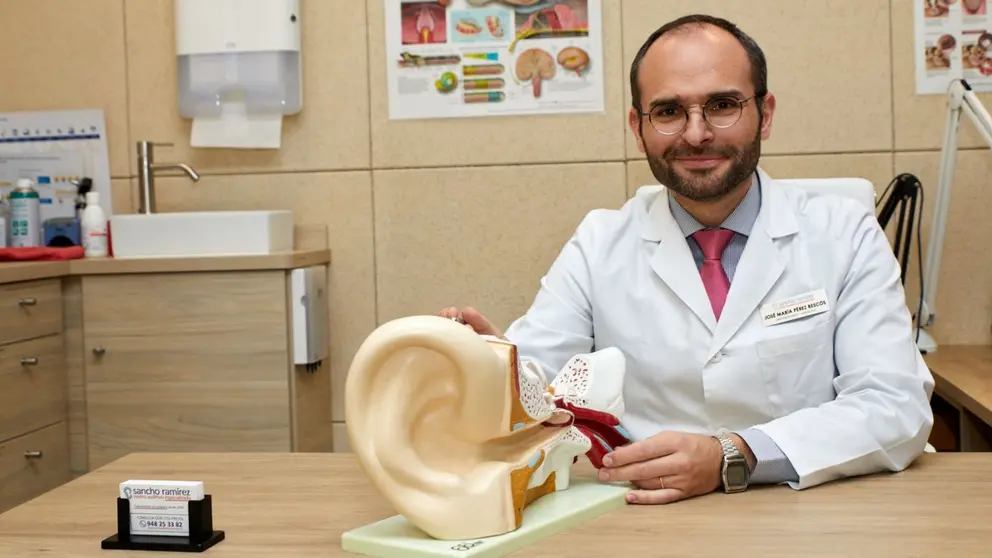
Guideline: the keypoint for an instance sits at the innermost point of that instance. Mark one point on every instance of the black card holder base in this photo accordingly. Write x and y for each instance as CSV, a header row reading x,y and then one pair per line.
x,y
201,531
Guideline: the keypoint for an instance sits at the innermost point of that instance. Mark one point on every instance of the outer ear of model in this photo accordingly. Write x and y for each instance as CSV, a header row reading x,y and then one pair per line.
x,y
460,437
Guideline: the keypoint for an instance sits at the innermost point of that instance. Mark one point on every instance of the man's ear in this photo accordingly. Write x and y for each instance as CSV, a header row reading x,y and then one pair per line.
x,y
767,114
635,120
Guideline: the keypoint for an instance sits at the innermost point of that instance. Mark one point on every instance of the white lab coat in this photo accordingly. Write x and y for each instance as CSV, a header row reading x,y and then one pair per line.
x,y
842,393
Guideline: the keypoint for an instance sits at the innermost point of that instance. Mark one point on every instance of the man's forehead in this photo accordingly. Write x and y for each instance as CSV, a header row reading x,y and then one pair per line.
x,y
697,38
695,63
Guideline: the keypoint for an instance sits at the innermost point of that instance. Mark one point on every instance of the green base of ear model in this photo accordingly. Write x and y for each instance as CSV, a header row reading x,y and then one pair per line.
x,y
395,537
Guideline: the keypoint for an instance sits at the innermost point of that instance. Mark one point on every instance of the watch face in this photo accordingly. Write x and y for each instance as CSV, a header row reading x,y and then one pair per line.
x,y
737,474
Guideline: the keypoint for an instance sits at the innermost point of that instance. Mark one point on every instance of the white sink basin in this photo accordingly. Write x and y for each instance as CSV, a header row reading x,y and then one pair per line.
x,y
202,233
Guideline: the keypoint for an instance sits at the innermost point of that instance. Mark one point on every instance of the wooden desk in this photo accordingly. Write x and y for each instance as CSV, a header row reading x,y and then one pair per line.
x,y
963,376
291,504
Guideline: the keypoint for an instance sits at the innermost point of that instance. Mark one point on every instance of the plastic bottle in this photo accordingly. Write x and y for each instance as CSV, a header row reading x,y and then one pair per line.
x,y
25,215
94,227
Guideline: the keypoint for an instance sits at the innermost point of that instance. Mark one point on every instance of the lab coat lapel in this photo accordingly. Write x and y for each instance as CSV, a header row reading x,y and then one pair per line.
x,y
672,260
761,263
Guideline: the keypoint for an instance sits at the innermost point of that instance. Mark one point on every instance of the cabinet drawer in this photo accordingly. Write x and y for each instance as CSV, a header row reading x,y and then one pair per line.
x,y
32,385
33,464
30,309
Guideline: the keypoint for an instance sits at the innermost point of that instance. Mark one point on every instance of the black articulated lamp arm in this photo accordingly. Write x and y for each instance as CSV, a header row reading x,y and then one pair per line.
x,y
902,195
904,192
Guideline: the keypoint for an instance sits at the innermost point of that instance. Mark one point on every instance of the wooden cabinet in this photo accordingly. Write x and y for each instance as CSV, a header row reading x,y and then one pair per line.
x,y
101,357
34,443
197,362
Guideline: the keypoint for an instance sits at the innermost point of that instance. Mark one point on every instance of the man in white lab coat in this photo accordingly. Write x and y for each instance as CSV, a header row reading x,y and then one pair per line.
x,y
766,331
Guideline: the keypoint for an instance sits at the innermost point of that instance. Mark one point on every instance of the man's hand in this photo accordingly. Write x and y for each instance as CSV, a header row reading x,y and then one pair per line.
x,y
669,466
473,319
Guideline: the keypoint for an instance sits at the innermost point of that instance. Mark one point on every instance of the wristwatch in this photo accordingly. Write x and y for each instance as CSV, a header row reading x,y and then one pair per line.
x,y
735,473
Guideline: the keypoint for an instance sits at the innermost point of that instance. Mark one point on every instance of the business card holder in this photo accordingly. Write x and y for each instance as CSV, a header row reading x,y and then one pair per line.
x,y
201,531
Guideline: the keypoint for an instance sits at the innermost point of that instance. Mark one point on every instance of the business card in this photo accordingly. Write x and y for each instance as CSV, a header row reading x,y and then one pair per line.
x,y
159,524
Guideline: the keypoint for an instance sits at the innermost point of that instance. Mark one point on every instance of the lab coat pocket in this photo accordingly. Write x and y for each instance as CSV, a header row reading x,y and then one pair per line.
x,y
797,368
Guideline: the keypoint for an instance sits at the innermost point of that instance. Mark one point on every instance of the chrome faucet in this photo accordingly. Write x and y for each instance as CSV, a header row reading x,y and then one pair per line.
x,y
146,174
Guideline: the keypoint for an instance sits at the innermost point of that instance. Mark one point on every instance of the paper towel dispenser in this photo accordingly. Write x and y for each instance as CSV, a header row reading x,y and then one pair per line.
x,y
239,69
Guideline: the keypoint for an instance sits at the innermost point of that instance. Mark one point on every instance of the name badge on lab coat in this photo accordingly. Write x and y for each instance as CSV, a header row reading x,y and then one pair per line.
x,y
800,306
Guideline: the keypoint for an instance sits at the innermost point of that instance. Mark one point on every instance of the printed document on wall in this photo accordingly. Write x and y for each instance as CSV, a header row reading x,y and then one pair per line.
x,y
953,41
471,58
53,149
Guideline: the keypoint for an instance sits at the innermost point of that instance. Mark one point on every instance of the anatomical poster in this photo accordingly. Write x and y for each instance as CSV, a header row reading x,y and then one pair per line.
x,y
55,149
472,58
953,41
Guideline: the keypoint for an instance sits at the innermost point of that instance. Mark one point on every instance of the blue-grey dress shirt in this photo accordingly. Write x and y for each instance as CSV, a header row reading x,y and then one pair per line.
x,y
772,466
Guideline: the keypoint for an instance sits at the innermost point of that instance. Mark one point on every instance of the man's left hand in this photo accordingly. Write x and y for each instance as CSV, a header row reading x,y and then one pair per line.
x,y
667,467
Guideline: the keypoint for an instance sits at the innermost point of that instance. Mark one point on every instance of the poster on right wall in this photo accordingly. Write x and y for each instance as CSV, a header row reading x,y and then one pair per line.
x,y
953,41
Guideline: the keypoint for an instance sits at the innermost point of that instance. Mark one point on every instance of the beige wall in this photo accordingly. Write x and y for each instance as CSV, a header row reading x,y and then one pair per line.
x,y
426,214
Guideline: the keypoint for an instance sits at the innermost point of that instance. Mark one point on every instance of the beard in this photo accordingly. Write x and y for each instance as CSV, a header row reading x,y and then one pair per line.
x,y
706,184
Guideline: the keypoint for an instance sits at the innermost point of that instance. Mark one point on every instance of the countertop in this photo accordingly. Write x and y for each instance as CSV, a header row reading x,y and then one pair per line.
x,y
11,272
297,504
963,373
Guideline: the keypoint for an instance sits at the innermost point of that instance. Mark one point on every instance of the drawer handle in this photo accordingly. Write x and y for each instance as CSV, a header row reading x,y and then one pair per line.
x,y
29,361
32,454
99,351
28,301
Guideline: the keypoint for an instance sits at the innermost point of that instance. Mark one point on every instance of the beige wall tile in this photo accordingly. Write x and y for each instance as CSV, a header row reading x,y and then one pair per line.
x,y
120,192
964,299
876,167
57,55
480,236
824,59
343,202
331,132
638,174
919,119
341,442
495,140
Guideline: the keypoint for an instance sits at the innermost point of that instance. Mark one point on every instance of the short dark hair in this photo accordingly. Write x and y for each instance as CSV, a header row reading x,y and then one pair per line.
x,y
759,67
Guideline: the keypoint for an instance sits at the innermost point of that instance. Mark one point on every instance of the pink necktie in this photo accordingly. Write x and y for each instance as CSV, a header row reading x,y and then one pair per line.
x,y
712,243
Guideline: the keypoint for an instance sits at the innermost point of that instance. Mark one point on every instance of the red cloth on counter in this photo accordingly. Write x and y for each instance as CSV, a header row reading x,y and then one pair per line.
x,y
41,253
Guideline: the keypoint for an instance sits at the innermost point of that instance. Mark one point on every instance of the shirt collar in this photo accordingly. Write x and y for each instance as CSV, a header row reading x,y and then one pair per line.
x,y
740,221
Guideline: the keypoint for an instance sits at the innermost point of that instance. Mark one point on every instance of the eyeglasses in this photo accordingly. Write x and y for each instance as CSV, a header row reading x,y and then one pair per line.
x,y
720,112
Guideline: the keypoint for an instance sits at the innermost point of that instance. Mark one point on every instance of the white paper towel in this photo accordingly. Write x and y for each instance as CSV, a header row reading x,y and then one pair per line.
x,y
234,128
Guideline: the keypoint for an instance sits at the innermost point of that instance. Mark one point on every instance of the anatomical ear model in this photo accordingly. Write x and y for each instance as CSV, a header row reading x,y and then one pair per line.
x,y
460,437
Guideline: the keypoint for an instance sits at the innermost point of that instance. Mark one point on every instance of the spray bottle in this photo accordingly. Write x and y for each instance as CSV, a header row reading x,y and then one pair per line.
x,y
25,213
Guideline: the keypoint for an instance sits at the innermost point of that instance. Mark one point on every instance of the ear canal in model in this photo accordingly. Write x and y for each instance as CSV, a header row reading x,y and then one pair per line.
x,y
444,428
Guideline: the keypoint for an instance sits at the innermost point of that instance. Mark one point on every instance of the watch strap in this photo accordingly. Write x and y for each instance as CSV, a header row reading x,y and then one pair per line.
x,y
729,449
